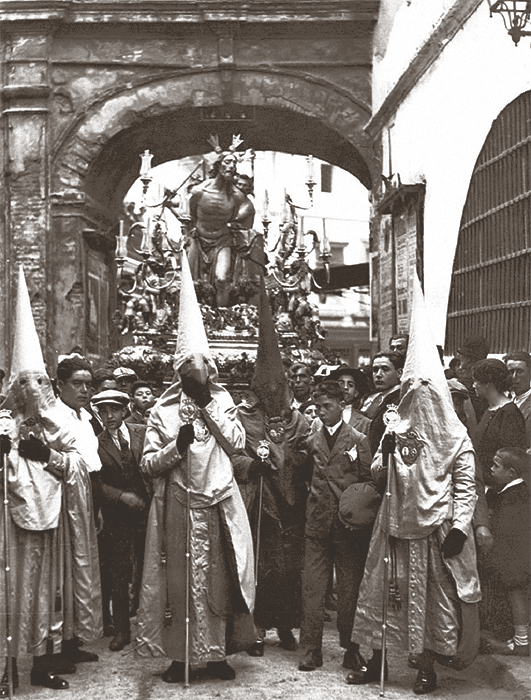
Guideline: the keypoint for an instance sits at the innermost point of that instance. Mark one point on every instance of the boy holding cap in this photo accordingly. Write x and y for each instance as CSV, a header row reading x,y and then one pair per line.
x,y
124,501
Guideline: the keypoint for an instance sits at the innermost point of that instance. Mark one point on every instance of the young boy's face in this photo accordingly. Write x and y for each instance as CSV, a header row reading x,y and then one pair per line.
x,y
112,416
501,475
347,383
330,411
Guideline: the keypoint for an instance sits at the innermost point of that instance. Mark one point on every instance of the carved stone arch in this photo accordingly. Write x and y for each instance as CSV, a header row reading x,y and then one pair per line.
x,y
295,112
95,161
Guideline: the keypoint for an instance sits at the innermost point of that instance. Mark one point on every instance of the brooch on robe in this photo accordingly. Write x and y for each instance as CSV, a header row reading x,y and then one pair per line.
x,y
275,428
409,446
188,411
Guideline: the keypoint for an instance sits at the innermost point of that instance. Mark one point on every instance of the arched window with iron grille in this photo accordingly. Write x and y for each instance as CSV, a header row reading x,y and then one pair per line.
x,y
490,292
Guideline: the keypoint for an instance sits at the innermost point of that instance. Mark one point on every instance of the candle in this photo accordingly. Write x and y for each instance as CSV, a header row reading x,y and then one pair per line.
x,y
145,248
121,243
145,166
326,243
310,168
285,208
265,208
300,235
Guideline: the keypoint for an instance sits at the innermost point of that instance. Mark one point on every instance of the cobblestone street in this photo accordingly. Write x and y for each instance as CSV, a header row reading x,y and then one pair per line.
x,y
123,676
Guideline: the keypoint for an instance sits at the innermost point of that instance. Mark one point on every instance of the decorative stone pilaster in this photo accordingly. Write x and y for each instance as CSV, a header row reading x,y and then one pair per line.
x,y
83,284
24,94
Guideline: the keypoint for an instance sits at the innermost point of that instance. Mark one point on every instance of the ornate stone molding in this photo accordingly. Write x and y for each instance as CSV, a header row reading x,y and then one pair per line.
x,y
190,10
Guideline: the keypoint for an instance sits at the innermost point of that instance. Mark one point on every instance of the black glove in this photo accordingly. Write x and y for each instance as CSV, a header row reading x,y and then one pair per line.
x,y
5,444
388,447
186,437
200,393
262,466
453,543
34,449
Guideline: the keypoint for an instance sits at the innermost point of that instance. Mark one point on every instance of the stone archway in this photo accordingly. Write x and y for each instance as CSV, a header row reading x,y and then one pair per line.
x,y
294,113
95,160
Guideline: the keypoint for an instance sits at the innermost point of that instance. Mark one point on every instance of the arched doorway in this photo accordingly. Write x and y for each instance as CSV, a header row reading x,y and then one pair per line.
x,y
491,280
97,158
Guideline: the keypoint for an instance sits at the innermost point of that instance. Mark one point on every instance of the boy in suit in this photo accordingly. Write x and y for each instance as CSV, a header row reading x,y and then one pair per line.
x,y
125,502
508,561
341,456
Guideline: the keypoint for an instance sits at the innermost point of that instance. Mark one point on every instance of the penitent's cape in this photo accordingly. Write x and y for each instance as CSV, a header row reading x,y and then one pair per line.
x,y
433,481
215,499
54,556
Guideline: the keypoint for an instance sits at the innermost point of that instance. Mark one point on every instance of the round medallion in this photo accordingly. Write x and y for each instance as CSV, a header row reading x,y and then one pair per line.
x,y
187,410
263,449
391,417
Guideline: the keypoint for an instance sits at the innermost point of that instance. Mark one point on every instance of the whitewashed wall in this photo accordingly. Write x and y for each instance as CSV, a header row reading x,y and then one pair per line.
x,y
441,125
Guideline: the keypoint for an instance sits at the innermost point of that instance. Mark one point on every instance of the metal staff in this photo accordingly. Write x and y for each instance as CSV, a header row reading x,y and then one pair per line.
x,y
263,452
388,448
187,592
5,447
258,527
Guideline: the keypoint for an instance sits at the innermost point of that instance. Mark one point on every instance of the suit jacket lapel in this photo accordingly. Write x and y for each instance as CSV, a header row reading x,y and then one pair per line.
x,y
323,444
135,443
107,444
339,443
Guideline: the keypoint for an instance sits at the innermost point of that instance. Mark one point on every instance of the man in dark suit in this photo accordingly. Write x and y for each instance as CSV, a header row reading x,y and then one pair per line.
x,y
386,373
341,457
125,502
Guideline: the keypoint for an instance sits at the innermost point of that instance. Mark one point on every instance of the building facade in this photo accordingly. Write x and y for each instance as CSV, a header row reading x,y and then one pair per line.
x,y
451,127
87,86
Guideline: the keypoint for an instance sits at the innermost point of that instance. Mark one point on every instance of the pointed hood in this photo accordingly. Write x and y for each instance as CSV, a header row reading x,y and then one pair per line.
x,y
422,360
29,390
27,353
269,380
191,335
429,436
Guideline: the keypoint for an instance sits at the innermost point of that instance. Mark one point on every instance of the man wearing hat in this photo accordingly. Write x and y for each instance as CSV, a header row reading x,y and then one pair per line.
x,y
125,378
355,386
125,501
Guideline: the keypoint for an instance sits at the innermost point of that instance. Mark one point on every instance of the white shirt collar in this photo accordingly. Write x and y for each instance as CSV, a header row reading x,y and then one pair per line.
x,y
124,433
514,482
333,428
522,398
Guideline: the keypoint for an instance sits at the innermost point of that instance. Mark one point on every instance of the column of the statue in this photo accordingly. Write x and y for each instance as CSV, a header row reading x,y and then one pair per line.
x,y
24,177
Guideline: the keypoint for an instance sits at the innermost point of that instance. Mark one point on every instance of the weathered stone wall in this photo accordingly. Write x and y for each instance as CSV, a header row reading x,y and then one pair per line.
x,y
84,92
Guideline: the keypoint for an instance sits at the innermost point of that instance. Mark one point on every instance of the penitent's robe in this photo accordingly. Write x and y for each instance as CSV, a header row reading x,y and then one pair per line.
x,y
221,583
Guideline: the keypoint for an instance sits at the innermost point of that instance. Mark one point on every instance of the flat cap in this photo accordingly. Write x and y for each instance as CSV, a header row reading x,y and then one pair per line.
x,y
121,372
112,396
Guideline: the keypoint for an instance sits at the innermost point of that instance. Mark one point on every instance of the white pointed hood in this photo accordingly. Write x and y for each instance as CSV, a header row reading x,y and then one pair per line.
x,y
429,436
27,353
191,335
